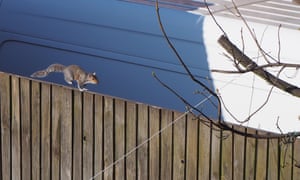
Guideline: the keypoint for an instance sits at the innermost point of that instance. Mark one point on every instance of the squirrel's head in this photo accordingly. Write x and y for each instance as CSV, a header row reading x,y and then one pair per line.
x,y
92,78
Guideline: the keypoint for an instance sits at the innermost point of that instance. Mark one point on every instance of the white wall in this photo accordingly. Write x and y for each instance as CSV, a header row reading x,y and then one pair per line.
x,y
244,93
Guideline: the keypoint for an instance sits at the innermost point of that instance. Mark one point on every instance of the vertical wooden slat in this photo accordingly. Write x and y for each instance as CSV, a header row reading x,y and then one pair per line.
x,y
227,153
25,129
204,144
215,154
56,130
36,131
5,126
46,131
119,138
296,160
179,146
66,135
142,137
87,136
166,145
261,163
77,136
273,159
154,143
16,129
192,144
108,137
131,140
286,160
250,156
98,159
238,161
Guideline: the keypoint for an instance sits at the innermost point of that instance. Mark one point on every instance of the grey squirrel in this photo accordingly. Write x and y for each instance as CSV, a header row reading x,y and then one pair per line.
x,y
71,73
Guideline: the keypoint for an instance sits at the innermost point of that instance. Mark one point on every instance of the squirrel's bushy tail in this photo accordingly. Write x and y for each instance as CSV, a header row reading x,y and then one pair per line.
x,y
51,68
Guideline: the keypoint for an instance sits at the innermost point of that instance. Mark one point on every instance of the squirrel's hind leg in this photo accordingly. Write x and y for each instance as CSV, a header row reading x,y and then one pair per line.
x,y
68,78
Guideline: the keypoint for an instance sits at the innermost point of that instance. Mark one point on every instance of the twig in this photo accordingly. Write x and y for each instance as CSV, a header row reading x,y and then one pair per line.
x,y
250,65
184,65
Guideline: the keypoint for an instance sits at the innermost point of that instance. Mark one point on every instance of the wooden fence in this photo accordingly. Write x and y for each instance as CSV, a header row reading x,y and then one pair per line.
x,y
54,132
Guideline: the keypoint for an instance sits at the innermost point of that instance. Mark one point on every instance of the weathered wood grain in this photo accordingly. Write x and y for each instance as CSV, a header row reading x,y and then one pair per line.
x,y
5,103
25,129
250,156
108,137
16,129
52,132
131,140
56,119
227,154
191,147
154,121
238,156
98,148
66,135
46,131
36,130
77,135
204,152
88,138
142,136
119,138
179,161
273,158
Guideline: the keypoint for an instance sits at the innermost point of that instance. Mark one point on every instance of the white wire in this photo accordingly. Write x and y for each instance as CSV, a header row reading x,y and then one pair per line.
x,y
148,140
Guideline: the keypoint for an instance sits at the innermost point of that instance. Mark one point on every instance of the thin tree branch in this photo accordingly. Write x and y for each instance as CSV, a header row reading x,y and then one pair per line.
x,y
252,66
184,65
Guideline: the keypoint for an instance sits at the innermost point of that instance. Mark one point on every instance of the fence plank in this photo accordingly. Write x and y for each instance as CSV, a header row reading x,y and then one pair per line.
x,y
273,159
119,138
250,156
227,154
238,161
16,129
46,132
131,122
108,137
5,116
26,129
87,135
66,135
77,136
215,153
166,145
286,162
179,146
296,159
204,155
154,121
36,131
142,136
98,158
56,130
261,162
191,146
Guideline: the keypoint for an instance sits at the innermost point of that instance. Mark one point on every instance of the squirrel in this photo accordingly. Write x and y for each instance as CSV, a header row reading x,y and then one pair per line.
x,y
71,73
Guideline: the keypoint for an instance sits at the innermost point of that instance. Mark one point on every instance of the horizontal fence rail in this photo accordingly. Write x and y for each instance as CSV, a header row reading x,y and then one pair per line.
x,y
54,132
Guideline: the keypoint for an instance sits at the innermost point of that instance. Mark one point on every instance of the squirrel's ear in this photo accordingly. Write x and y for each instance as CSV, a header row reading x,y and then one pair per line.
x,y
94,73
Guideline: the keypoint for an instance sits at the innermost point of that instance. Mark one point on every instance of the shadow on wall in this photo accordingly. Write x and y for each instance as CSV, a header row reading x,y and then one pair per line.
x,y
120,41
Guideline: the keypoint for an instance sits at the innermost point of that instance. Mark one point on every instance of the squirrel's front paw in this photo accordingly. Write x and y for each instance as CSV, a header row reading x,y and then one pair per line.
x,y
82,89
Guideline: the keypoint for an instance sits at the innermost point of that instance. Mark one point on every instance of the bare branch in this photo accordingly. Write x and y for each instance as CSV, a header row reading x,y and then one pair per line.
x,y
185,66
252,66
244,61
